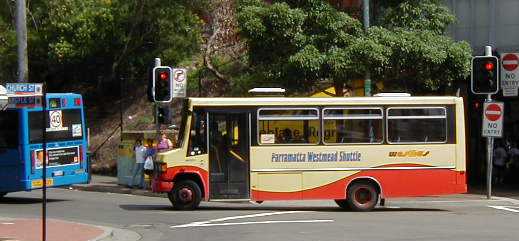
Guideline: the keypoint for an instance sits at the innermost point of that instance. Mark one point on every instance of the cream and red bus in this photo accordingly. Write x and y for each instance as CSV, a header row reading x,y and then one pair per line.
x,y
357,151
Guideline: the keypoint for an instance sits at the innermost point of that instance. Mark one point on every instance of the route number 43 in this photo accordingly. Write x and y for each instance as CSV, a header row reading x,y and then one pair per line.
x,y
55,119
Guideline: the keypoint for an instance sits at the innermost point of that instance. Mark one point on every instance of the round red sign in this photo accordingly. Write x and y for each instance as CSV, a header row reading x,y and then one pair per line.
x,y
510,62
493,112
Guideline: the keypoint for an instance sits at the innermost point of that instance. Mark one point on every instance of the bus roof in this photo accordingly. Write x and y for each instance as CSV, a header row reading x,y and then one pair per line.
x,y
55,95
298,101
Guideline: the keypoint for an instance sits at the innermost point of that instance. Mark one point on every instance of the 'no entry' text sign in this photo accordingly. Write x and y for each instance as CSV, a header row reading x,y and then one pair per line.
x,y
493,119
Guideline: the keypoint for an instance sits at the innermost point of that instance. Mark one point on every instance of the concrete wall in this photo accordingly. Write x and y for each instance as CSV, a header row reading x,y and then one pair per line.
x,y
486,22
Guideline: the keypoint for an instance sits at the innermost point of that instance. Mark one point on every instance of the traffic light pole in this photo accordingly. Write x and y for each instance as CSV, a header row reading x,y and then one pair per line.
x,y
490,141
156,107
490,151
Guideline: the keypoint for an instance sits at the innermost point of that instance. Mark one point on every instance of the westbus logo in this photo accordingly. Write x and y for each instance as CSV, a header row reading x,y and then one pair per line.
x,y
410,153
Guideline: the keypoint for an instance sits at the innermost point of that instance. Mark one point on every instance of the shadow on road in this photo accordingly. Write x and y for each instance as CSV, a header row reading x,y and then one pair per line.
x,y
317,209
140,207
137,207
384,209
27,200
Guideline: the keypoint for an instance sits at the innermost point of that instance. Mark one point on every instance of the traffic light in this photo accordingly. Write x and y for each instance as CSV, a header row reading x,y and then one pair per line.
x,y
162,84
485,75
163,115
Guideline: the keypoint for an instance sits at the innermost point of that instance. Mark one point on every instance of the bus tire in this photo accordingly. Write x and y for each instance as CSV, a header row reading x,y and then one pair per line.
x,y
362,196
343,203
185,195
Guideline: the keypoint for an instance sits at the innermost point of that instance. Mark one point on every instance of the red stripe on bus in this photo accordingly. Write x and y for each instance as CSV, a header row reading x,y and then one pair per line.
x,y
401,183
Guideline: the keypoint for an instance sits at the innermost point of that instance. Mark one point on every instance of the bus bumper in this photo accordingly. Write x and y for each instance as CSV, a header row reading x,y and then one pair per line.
x,y
160,186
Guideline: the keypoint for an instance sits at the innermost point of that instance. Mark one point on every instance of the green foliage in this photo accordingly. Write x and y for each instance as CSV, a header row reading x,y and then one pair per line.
x,y
417,15
299,43
97,43
7,44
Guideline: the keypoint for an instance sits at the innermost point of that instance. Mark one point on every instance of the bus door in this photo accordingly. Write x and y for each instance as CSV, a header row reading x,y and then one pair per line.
x,y
10,165
229,155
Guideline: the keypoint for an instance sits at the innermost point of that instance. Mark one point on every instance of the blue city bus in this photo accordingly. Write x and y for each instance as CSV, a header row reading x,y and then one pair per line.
x,y
21,143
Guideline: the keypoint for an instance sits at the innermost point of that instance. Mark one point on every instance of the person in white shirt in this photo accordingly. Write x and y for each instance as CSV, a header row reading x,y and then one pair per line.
x,y
138,167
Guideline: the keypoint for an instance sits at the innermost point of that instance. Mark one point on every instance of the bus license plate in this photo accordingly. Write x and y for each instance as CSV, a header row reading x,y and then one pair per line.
x,y
57,173
39,183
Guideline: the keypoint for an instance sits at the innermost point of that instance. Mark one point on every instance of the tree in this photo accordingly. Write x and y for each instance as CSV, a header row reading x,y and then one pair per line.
x,y
73,43
303,43
299,43
421,57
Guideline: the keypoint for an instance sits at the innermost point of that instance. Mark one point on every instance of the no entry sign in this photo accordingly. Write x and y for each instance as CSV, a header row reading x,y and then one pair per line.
x,y
510,62
510,74
493,119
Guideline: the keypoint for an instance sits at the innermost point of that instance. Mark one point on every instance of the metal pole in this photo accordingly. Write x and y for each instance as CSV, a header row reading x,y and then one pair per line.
x,y
21,38
492,25
367,78
44,169
490,141
157,105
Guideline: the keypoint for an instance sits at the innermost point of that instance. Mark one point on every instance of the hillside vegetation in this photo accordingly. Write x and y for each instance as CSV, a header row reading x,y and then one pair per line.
x,y
105,50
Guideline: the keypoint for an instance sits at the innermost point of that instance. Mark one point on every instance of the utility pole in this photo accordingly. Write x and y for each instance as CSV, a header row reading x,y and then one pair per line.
x,y
367,79
21,38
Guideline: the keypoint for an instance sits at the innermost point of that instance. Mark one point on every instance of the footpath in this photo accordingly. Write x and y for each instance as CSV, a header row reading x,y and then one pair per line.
x,y
109,184
29,229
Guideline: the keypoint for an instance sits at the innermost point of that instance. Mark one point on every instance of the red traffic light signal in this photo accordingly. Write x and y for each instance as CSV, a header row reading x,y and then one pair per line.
x,y
485,75
162,84
164,75
489,66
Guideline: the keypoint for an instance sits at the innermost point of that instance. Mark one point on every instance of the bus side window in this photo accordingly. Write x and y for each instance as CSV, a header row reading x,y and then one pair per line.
x,y
197,134
353,125
417,124
291,125
9,124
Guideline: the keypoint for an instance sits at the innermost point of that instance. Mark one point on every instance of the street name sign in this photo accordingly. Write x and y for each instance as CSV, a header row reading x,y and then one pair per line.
x,y
179,83
493,119
510,74
24,89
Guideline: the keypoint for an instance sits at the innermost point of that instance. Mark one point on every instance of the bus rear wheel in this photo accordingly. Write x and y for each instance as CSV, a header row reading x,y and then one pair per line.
x,y
186,195
362,196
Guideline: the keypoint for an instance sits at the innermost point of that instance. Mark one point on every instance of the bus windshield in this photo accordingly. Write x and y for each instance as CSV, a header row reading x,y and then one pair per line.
x,y
66,129
9,129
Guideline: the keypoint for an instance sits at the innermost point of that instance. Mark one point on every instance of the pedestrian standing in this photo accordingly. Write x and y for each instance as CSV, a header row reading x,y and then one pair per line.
x,y
165,143
138,167
499,162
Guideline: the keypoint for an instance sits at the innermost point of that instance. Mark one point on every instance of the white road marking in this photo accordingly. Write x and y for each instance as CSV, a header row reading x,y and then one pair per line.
x,y
495,199
7,223
211,222
258,222
514,201
505,208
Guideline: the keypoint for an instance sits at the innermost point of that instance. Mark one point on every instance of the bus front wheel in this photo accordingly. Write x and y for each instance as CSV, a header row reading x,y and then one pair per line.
x,y
186,195
362,196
